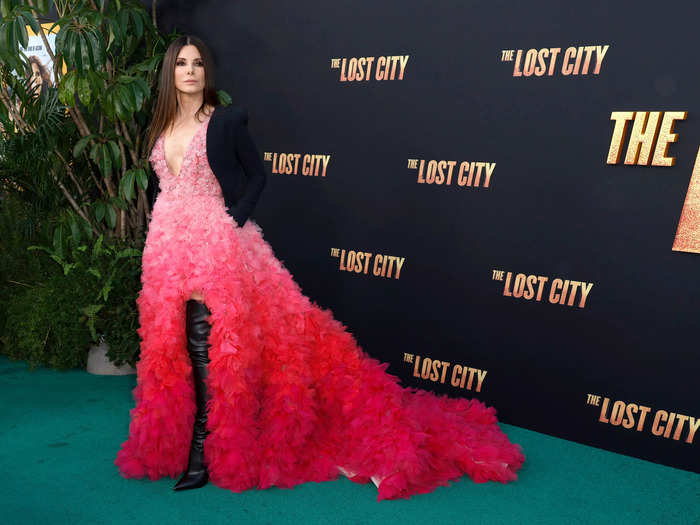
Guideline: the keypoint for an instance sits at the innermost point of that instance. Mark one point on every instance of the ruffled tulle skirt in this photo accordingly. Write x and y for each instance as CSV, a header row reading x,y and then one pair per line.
x,y
292,397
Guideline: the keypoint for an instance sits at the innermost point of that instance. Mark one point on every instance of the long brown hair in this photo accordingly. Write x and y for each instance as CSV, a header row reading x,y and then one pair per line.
x,y
166,105
43,71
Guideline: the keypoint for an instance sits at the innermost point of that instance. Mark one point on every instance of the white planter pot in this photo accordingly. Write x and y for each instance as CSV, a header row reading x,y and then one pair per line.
x,y
99,364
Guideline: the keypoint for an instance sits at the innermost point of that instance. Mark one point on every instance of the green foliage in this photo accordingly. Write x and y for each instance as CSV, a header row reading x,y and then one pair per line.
x,y
111,52
60,296
27,165
119,320
224,97
72,171
110,278
38,314
20,224
43,325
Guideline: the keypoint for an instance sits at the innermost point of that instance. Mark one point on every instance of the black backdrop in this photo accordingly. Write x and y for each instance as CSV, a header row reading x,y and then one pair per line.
x,y
553,207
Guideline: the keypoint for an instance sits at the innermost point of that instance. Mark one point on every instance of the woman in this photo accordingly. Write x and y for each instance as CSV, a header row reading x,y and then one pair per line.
x,y
38,75
244,380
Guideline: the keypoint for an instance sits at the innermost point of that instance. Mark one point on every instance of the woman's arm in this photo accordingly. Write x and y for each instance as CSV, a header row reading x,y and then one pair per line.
x,y
252,164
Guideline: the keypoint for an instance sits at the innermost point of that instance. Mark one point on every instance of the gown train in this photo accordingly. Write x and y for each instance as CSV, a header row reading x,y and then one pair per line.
x,y
292,397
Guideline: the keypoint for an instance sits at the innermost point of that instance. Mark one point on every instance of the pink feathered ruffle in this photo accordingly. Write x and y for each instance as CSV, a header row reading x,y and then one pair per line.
x,y
292,396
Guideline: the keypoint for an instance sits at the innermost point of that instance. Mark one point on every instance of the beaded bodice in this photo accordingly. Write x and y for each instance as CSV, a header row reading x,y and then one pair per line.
x,y
196,177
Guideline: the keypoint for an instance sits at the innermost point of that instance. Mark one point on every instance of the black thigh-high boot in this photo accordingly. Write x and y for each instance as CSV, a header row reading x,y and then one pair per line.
x,y
198,329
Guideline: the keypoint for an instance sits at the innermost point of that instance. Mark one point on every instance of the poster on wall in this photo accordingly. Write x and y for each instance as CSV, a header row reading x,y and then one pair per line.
x,y
39,69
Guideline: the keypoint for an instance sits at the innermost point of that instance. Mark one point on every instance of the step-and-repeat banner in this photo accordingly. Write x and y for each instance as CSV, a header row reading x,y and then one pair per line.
x,y
501,200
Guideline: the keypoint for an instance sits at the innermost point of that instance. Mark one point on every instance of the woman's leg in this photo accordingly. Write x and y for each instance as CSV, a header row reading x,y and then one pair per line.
x,y
198,330
197,295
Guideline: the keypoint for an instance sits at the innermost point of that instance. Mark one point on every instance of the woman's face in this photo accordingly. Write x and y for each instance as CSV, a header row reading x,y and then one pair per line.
x,y
189,70
36,79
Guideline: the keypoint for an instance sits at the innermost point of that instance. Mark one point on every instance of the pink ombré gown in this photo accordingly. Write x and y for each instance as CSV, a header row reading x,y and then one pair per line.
x,y
292,397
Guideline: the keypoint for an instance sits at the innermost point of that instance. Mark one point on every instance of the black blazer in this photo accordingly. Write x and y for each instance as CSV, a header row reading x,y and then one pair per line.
x,y
235,161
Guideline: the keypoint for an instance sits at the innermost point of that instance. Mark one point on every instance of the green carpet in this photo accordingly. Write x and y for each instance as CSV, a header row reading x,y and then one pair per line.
x,y
60,432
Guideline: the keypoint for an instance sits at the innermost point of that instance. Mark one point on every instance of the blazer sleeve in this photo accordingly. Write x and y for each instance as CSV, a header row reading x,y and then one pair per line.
x,y
252,164
152,191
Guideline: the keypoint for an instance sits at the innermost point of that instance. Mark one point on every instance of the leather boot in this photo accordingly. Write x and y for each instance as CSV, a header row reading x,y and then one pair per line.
x,y
198,329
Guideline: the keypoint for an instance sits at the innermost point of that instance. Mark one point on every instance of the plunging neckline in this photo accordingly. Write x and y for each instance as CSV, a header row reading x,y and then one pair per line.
x,y
187,148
